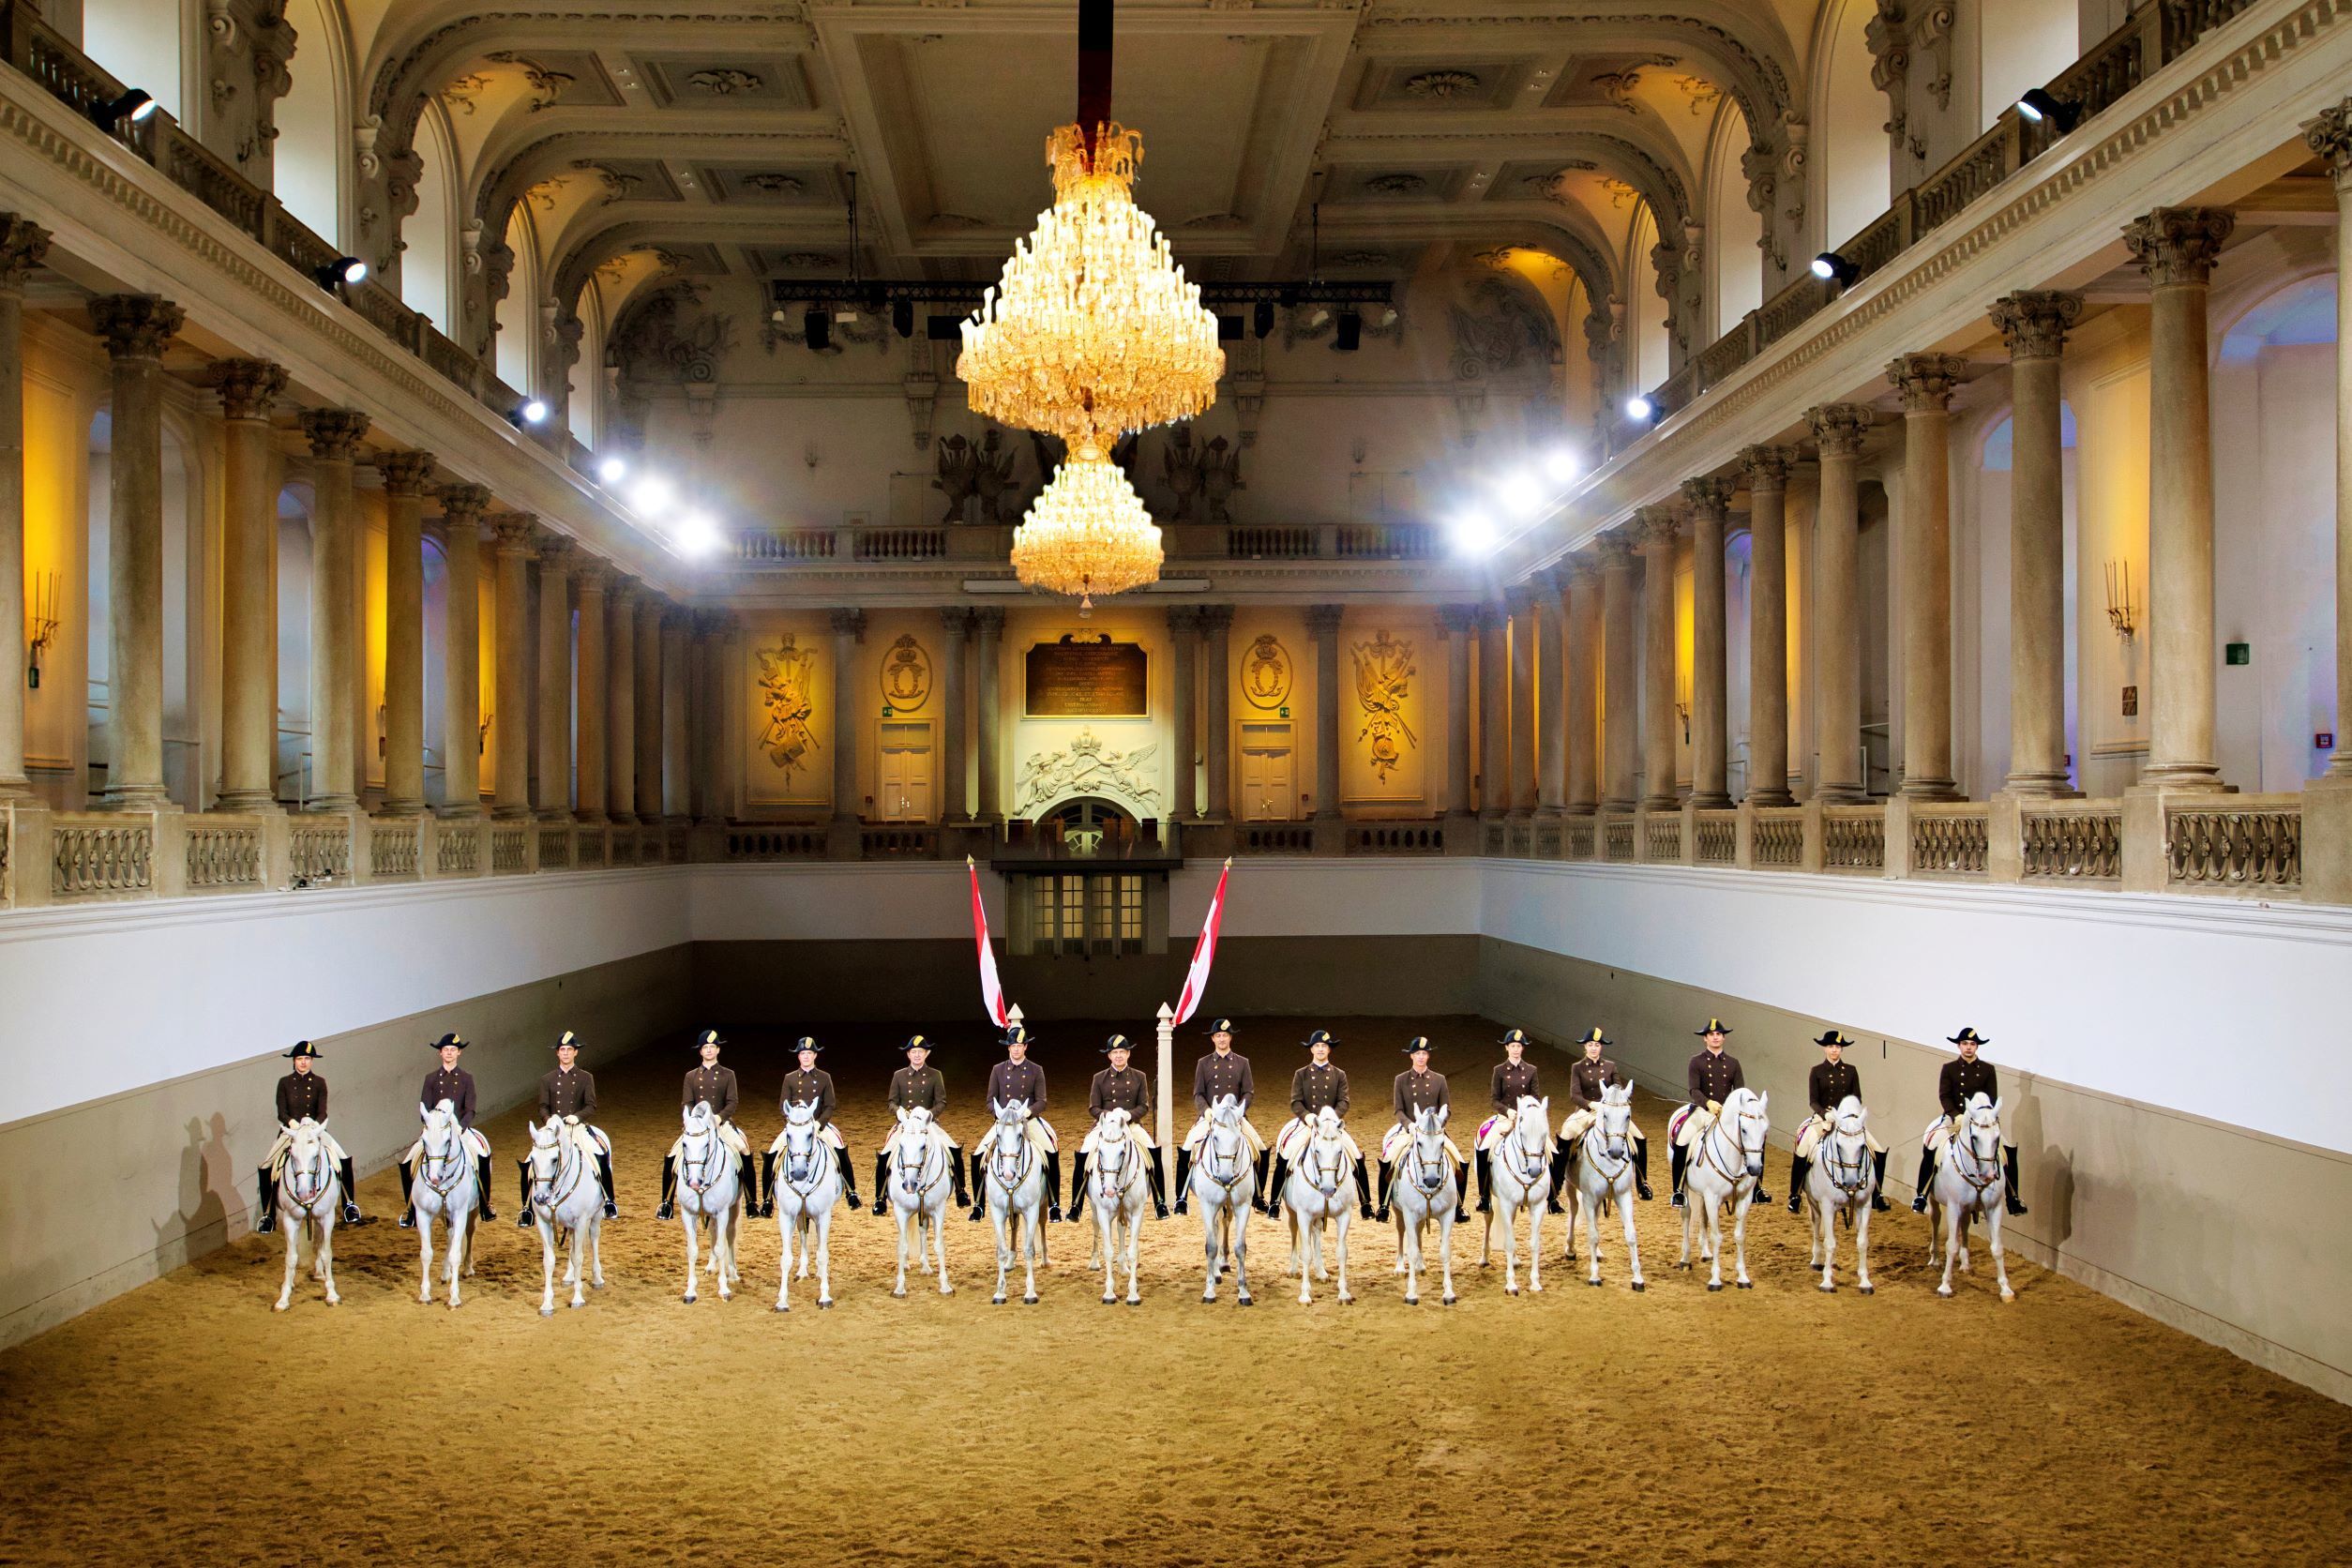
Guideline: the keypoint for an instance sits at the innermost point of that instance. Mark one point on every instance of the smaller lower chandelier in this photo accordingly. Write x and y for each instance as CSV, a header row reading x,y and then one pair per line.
x,y
1087,534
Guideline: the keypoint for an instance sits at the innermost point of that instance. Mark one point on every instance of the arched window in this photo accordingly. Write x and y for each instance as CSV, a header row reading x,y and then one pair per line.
x,y
313,124
2024,43
519,313
139,43
1646,312
428,238
1735,261
1849,144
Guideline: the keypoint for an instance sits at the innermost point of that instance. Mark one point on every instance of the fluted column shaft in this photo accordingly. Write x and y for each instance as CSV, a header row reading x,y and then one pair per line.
x,y
1839,429
987,627
248,588
589,702
1659,531
1710,699
2331,137
1218,620
1551,689
1621,663
1766,469
405,475
1580,681
619,701
849,630
1457,623
510,720
1322,624
677,721
462,509
334,434
1494,710
954,621
1925,381
21,247
135,328
554,800
713,804
645,743
2034,325
1184,653
2175,247
1525,646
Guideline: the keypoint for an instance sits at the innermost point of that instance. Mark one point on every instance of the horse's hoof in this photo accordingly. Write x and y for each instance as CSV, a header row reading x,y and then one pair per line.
x,y
1747,1284
1412,1300
1029,1301
1867,1289
1826,1287
282,1306
1639,1286
824,1306
1510,1289
1135,1301
1205,1300
1594,1282
688,1300
1245,1302
1943,1289
1717,1284
2009,1296
546,1312
596,1285
1447,1301
577,1305
900,1293
996,1301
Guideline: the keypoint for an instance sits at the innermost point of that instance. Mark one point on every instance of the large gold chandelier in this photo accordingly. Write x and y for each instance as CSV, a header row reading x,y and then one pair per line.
x,y
1087,534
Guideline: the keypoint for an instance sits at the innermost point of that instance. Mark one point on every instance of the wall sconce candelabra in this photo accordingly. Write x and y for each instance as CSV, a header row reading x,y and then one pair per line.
x,y
44,626
481,735
2122,613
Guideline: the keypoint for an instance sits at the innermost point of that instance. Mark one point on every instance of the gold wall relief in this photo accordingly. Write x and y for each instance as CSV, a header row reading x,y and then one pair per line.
x,y
1384,674
1266,672
906,675
787,679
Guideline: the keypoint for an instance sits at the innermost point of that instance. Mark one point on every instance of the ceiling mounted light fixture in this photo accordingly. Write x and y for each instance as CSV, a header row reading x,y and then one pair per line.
x,y
1087,534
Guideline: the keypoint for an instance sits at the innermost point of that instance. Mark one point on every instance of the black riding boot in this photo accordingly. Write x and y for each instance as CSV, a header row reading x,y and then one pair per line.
x,y
523,1196
1461,1214
1485,1183
604,1175
979,1191
1363,1187
1677,1158
667,1210
350,1191
1270,1201
748,1185
1264,1155
266,1202
482,1176
848,1181
408,1205
956,1165
1078,1186
1159,1184
1759,1196
1926,1180
767,1180
1053,1183
1183,1181
2009,1160
881,1181
1798,1165
1877,1180
1641,1170
1562,1151
1382,1211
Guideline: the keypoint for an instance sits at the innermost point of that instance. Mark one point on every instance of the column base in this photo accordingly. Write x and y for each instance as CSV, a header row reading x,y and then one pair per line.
x,y
1713,800
1781,796
402,808
511,813
324,805
1657,802
136,798
2181,778
563,819
1930,788
1841,795
2038,786
248,803
15,788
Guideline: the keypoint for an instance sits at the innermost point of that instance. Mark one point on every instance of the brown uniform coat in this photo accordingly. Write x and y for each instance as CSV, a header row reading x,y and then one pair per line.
x,y
301,1094
1713,1077
1513,1079
1214,1077
1314,1087
1018,1080
1127,1089
1586,1081
714,1084
567,1092
910,1087
1418,1092
1828,1083
453,1084
812,1087
1962,1080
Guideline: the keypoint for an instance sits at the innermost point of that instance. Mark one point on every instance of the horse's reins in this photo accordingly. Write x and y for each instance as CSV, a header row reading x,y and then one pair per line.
x,y
716,1163
1021,1158
1964,1151
1541,1165
1210,1155
569,1165
1428,1188
916,1186
460,1161
320,1173
1105,1170
1837,1169
808,1161
1624,1161
1707,1150
1337,1170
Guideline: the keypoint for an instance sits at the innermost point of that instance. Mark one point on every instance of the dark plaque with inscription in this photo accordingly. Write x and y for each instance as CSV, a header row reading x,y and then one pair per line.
x,y
1085,676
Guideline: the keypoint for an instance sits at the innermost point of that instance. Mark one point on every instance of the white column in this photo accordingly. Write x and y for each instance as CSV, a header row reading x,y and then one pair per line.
x,y
136,328
1926,381
334,434
21,247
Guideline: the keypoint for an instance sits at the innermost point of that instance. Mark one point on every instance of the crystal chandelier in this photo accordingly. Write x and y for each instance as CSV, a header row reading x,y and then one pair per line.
x,y
1087,534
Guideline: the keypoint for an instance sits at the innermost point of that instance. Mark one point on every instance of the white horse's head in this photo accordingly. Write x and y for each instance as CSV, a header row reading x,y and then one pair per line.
x,y
1226,1111
546,1158
441,1128
1429,1133
1327,1126
1981,1125
1010,1114
1614,1121
699,1120
1745,1114
1112,1128
800,1118
1532,1125
1850,1120
308,1171
914,1128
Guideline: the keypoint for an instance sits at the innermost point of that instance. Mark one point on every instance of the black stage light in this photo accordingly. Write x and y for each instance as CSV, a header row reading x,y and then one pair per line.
x,y
343,269
134,106
1261,318
1228,329
903,317
1830,267
2042,107
944,329
818,327
1349,335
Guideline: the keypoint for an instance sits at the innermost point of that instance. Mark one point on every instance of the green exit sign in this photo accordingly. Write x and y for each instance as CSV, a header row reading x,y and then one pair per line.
x,y
2237,652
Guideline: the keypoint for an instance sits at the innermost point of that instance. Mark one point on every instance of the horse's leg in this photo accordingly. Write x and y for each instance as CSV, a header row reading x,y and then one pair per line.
x,y
1535,1206
1209,1250
1408,1255
1032,1224
547,1264
1690,1218
425,1256
1239,1235
1445,1250
1742,1202
580,1270
1992,1240
461,1249
1712,1239
825,1259
1003,1250
1134,1244
1952,1221
1339,1220
1862,1248
693,1225
1825,1243
1633,1243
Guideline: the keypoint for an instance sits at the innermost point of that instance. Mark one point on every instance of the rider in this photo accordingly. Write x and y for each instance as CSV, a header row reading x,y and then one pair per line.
x,y
1513,1076
1224,1071
808,1085
1313,1087
1714,1072
1416,1090
1017,1077
918,1084
715,1086
1830,1080
302,1093
1959,1082
1586,1079
1120,1087
570,1092
453,1084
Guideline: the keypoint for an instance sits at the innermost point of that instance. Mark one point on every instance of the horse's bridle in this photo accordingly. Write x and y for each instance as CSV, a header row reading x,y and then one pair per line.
x,y
803,1163
1111,1176
1211,1154
1623,1155
321,1171
1964,1151
1542,1166
1336,1169
1838,1170
1429,1179
1707,1152
459,1165
711,1167
569,1167
1021,1158
927,1173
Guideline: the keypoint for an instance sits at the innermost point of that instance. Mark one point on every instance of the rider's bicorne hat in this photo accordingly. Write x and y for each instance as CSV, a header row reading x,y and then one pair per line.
x,y
708,1037
1594,1037
1117,1042
1831,1037
1321,1037
1514,1037
452,1038
1017,1035
569,1039
916,1042
1714,1026
1419,1042
1221,1026
1968,1036
808,1043
304,1048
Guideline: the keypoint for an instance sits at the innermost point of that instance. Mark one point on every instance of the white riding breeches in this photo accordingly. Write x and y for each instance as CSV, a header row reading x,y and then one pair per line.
x,y
729,1134
285,1141
473,1140
1200,1130
1296,1134
1041,1137
1400,1135
1136,1134
828,1134
1579,1123
1940,1133
1815,1128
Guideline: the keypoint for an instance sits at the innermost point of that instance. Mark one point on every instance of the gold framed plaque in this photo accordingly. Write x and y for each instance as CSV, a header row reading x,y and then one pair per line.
x,y
1086,676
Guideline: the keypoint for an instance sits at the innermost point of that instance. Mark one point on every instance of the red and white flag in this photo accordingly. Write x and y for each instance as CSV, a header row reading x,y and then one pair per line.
x,y
1204,952
991,993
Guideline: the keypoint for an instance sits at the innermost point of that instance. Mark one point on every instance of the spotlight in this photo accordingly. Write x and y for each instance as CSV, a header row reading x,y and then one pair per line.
x,y
1228,329
1474,533
1639,409
1562,465
697,533
651,496
1348,337
819,328
2045,108
1261,318
1830,267
531,411
345,270
1321,315
1522,494
134,106
903,317
944,329
612,471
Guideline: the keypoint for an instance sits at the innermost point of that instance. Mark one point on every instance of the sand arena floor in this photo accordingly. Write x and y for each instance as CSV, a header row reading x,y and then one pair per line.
x,y
186,1422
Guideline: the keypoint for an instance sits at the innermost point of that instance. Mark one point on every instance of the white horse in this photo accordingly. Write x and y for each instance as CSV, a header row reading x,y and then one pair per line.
x,y
1604,1176
1119,1185
1426,1188
808,1180
1838,1187
1014,1186
447,1187
1726,1163
566,1196
922,1174
1520,1166
1225,1181
309,1196
1968,1183
1318,1188
708,1189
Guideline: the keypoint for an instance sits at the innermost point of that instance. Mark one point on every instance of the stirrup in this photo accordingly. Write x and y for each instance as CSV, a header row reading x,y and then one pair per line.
x,y
268,1223
1677,1199
522,1220
1919,1204
669,1210
408,1217
611,1210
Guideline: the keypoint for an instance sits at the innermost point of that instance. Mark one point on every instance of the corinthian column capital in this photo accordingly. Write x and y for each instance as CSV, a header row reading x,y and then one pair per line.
x,y
1655,529
1839,428
2331,137
247,387
333,433
464,505
22,244
2176,245
515,531
1766,468
405,472
2034,322
1927,381
1710,496
135,325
